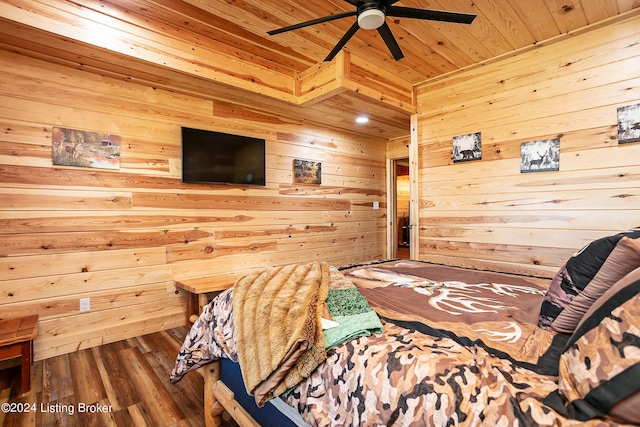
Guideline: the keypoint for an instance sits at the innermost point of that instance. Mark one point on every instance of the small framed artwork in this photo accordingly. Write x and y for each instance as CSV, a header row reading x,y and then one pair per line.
x,y
307,172
629,124
467,147
540,156
72,147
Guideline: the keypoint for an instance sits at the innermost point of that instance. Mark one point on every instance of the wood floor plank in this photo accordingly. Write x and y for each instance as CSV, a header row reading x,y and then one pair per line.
x,y
57,381
87,384
112,394
125,391
152,393
134,416
130,378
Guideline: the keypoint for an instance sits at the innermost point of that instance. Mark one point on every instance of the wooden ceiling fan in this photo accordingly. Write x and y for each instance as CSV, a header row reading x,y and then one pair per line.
x,y
372,14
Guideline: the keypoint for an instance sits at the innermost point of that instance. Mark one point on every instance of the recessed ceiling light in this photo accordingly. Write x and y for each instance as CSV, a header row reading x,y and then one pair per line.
x,y
362,120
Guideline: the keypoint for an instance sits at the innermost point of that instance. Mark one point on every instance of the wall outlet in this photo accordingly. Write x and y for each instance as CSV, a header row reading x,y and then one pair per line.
x,y
85,304
376,205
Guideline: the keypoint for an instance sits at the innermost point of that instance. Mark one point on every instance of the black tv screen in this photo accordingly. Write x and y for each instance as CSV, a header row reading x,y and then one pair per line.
x,y
222,158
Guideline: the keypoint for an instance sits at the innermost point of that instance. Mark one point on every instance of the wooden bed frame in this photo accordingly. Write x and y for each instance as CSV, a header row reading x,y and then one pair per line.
x,y
219,398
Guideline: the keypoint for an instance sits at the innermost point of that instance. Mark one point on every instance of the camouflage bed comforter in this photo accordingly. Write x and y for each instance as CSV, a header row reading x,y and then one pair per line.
x,y
459,347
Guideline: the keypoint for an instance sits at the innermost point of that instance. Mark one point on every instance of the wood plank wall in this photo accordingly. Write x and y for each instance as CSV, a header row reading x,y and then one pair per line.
x,y
122,237
486,213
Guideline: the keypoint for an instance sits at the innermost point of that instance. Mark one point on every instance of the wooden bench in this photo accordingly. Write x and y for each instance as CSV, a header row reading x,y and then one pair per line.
x,y
200,289
16,340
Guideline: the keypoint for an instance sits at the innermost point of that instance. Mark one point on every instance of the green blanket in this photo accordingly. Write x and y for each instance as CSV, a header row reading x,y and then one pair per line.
x,y
354,315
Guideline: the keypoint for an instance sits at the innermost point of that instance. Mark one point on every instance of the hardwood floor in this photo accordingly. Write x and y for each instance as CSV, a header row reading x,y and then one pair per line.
x,y
403,252
125,383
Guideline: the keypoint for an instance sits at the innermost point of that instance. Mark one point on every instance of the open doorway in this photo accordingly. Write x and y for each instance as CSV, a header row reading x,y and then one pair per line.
x,y
400,196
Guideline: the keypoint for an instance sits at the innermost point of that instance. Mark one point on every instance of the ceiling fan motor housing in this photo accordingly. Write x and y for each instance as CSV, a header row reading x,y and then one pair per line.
x,y
371,15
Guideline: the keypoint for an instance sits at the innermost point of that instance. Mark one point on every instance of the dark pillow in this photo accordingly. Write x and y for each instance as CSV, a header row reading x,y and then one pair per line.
x,y
586,276
600,364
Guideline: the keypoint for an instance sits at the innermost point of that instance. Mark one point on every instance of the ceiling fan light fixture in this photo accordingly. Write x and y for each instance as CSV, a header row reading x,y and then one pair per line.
x,y
371,19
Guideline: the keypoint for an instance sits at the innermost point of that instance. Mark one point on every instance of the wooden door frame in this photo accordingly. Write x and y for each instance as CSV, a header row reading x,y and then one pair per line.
x,y
414,208
392,231
392,209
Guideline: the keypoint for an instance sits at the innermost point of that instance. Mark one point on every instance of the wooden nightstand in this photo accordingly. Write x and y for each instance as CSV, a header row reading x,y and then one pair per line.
x,y
16,340
201,287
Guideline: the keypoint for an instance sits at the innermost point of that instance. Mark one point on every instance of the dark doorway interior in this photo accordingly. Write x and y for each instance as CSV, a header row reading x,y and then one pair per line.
x,y
402,208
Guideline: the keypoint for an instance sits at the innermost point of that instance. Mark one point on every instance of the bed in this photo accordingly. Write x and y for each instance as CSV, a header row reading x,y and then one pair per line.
x,y
425,344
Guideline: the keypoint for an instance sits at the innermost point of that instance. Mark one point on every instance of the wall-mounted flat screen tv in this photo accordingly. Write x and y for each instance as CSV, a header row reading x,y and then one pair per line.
x,y
221,158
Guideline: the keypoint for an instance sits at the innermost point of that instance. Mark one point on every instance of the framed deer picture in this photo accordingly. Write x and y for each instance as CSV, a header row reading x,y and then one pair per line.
x,y
307,172
540,156
72,147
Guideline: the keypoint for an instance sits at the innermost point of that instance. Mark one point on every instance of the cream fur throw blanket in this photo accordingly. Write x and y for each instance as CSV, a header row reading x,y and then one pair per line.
x,y
279,340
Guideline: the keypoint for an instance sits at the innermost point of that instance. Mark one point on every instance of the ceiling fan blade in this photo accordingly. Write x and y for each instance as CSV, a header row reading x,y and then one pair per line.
x,y
432,15
392,44
313,22
343,41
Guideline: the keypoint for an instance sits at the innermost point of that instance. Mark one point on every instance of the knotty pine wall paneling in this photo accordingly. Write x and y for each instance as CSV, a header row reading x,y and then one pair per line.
x,y
122,237
486,213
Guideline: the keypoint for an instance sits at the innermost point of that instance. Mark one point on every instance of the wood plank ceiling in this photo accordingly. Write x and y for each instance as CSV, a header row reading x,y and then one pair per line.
x,y
431,48
220,49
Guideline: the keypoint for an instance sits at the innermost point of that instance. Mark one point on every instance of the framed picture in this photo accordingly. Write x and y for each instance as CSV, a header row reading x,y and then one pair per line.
x,y
467,147
72,147
540,156
307,172
629,124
